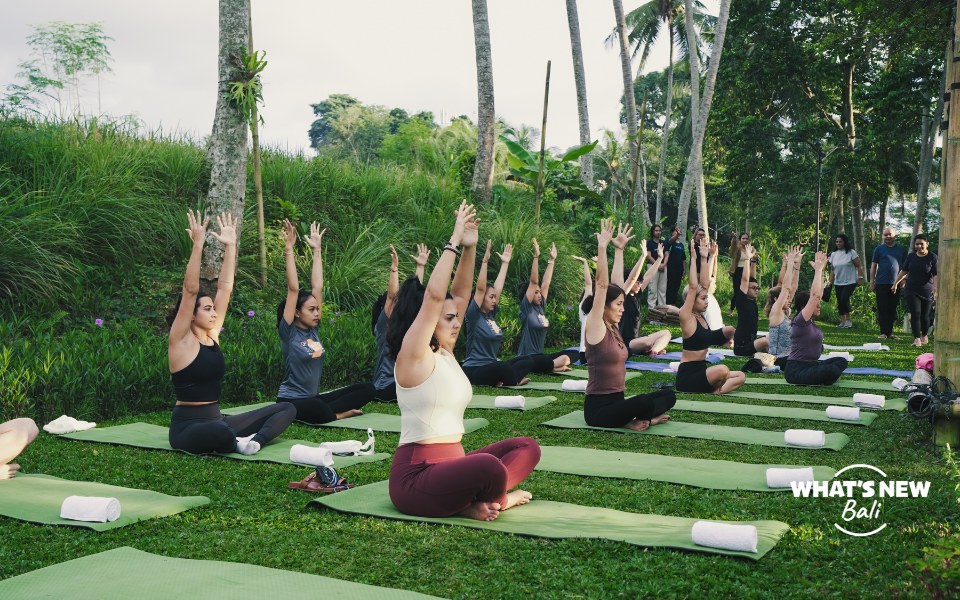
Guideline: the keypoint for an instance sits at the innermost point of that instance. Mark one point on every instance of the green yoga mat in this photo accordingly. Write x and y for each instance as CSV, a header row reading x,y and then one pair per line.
x,y
545,386
697,472
124,573
529,402
890,404
144,435
560,520
843,383
375,421
37,499
721,433
733,408
583,374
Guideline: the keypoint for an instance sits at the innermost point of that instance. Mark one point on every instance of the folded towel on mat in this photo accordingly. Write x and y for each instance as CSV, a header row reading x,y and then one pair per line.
x,y
778,477
94,509
809,438
726,536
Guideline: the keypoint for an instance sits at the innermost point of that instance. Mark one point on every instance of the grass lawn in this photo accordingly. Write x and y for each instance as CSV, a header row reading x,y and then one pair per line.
x,y
253,518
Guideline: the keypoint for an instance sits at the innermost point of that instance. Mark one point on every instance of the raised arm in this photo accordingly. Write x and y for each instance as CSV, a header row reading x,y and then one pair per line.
x,y
707,274
293,283
504,267
745,278
393,286
619,243
481,290
784,267
688,323
793,280
587,278
595,329
463,278
191,280
421,259
548,275
651,272
316,276
412,368
534,271
637,268
816,288
228,237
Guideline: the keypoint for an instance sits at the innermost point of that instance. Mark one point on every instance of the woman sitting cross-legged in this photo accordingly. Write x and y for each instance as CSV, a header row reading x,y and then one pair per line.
x,y
533,320
777,308
605,404
298,320
694,375
484,335
15,436
197,366
430,475
806,340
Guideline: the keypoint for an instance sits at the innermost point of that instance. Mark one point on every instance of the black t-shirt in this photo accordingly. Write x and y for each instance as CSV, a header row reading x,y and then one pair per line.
x,y
652,248
747,318
630,321
678,254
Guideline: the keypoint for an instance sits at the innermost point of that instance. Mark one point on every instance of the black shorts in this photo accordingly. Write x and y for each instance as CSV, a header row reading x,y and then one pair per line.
x,y
744,348
692,378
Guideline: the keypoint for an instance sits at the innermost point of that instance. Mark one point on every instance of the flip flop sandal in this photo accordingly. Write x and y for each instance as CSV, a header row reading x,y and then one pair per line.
x,y
312,483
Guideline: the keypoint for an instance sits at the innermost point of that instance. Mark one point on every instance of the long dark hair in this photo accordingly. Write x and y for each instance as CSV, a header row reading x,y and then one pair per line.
x,y
614,291
846,242
302,296
800,300
406,307
378,305
522,290
173,310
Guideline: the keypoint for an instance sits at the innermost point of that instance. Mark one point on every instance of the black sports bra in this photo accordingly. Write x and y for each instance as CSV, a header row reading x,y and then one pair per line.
x,y
201,380
703,338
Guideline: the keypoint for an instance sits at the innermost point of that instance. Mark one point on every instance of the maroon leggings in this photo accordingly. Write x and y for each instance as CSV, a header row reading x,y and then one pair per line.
x,y
439,480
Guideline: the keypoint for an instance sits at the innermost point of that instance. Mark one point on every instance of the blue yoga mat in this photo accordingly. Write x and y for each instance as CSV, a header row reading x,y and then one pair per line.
x,y
711,358
648,366
875,371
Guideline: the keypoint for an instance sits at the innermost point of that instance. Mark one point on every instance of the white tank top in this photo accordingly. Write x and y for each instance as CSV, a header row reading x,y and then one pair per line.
x,y
435,407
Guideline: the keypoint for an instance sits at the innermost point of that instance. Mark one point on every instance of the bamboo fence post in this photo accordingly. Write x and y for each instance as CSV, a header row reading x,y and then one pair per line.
x,y
543,140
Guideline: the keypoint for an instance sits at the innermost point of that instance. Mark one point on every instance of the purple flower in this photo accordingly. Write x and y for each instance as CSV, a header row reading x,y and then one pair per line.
x,y
331,320
98,322
221,329
569,308
338,313
250,313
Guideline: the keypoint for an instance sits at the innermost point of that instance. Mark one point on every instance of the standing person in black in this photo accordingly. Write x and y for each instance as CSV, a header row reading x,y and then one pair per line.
x,y
745,342
676,266
197,365
919,276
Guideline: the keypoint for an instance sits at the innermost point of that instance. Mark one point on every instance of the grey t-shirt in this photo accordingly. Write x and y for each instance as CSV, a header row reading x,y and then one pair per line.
x,y
844,271
383,369
483,336
303,356
533,328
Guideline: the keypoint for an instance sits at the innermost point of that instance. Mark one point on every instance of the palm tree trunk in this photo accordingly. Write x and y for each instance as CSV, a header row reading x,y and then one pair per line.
x,y
694,58
579,77
486,117
257,174
700,126
227,149
666,126
926,155
630,102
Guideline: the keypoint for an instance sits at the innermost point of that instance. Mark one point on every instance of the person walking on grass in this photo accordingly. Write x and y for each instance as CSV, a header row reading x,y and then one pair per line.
x,y
657,290
694,375
533,320
605,404
431,475
298,323
885,264
676,265
846,273
197,365
919,278
386,386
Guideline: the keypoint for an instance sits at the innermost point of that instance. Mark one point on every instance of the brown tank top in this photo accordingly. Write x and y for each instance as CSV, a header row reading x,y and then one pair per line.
x,y
607,372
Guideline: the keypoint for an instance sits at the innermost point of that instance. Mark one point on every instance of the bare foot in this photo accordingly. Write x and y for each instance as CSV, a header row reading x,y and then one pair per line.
x,y
350,413
524,381
718,391
562,369
638,425
481,511
659,420
516,498
8,471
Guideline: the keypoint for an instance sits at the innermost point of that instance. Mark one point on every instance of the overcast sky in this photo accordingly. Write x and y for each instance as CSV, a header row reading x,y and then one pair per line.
x,y
416,55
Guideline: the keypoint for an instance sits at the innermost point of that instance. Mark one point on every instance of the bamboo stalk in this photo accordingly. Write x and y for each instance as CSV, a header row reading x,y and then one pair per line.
x,y
543,140
257,174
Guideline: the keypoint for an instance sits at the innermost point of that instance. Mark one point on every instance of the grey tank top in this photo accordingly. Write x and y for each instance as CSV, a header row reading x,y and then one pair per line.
x,y
383,369
780,339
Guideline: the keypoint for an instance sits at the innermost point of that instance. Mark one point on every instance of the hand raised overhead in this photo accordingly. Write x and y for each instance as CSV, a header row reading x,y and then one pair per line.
x,y
316,236
580,258
605,234
423,254
198,227
486,255
289,234
506,255
228,230
466,215
553,251
394,259
623,236
536,248
820,261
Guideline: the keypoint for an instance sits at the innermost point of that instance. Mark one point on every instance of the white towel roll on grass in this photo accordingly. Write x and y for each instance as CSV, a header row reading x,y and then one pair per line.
x,y
844,354
508,402
869,400
725,536
675,365
899,383
873,346
64,424
308,455
846,413
782,477
574,385
810,438
93,509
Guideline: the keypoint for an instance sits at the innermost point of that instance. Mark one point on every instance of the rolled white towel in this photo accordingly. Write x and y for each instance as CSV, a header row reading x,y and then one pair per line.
x,y
64,424
308,455
675,365
574,385
869,400
844,354
509,402
725,536
90,508
873,346
899,383
805,437
846,413
781,478
344,448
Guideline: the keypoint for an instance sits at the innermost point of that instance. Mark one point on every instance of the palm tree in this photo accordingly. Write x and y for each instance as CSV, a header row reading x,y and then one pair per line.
x,y
586,161
646,24
486,116
612,179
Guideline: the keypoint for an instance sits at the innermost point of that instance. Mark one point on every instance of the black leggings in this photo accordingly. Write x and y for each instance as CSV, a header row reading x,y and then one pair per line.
x,y
543,363
815,372
324,407
612,410
502,372
919,314
202,429
387,394
843,297
737,278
